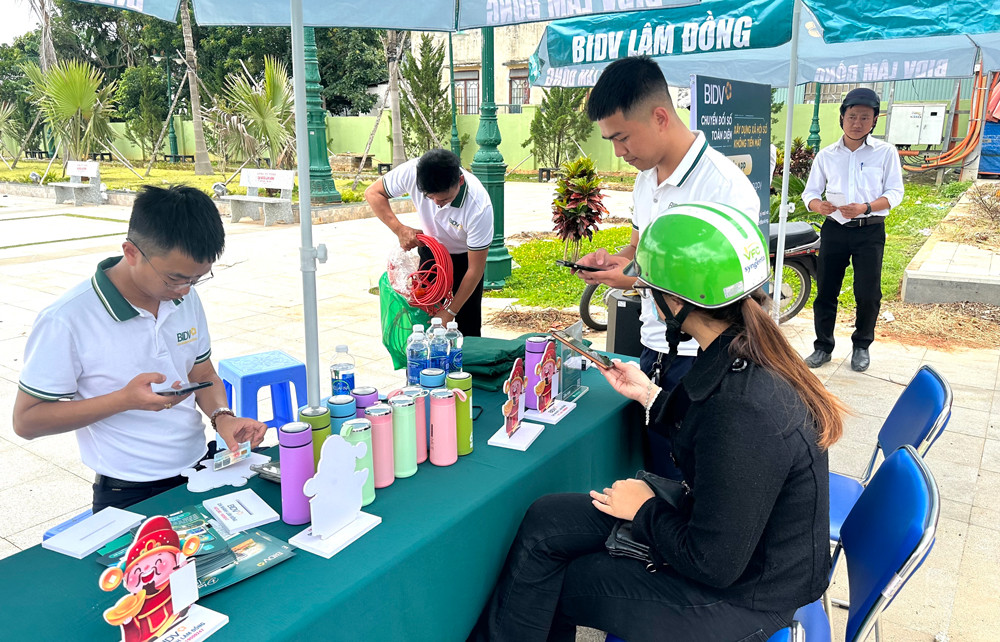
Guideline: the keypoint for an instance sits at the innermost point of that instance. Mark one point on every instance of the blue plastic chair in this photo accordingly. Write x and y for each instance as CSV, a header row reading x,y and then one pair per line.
x,y
885,538
918,418
245,376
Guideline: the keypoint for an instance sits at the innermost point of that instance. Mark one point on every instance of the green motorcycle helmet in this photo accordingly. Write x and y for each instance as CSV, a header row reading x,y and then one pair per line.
x,y
707,254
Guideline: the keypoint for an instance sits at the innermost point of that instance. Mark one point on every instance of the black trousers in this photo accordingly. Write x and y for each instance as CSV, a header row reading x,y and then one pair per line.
x,y
470,317
558,575
659,449
863,248
122,494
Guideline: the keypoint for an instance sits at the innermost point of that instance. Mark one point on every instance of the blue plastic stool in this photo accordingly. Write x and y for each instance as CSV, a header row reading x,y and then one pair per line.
x,y
58,528
245,376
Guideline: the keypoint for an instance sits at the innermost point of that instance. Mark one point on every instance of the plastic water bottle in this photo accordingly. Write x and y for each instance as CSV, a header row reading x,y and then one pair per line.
x,y
342,372
439,350
435,324
417,356
455,340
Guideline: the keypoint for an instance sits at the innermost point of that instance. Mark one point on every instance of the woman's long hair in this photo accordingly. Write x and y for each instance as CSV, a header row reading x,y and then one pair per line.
x,y
759,340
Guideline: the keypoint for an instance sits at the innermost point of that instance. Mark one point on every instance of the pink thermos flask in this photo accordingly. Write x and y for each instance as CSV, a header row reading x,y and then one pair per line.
x,y
444,431
381,417
297,465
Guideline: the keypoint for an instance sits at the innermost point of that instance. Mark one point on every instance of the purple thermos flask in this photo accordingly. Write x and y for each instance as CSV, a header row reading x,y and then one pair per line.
x,y
364,396
423,417
297,465
381,417
444,432
534,347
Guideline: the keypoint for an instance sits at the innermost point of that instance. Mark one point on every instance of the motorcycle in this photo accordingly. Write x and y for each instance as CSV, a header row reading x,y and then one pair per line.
x,y
799,268
798,273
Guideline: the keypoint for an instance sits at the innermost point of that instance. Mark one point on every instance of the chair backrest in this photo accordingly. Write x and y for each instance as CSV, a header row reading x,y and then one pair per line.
x,y
793,633
918,417
887,535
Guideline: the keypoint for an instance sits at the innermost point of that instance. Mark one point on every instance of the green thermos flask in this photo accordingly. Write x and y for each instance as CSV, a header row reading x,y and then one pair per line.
x,y
463,409
404,436
357,431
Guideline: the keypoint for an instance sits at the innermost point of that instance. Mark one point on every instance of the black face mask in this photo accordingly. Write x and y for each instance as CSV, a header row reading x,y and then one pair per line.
x,y
674,334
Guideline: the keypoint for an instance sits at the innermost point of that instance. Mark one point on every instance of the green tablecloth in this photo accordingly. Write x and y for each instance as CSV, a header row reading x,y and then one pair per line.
x,y
423,574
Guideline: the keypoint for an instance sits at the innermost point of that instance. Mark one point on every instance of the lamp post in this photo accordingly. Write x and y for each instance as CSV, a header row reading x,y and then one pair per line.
x,y
488,166
171,135
324,190
813,140
456,145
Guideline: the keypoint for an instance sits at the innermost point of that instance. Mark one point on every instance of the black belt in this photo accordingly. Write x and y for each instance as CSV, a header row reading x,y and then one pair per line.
x,y
861,222
110,482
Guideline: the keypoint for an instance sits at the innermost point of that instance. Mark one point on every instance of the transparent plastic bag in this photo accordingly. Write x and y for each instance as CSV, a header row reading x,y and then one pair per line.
x,y
402,263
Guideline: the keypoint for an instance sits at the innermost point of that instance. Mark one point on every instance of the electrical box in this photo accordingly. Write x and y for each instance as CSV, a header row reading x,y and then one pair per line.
x,y
916,123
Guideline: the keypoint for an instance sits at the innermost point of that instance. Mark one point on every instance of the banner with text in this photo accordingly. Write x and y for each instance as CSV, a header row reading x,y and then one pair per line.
x,y
736,119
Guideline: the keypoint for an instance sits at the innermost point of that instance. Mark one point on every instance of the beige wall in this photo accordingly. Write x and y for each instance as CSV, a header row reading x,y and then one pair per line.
x,y
512,46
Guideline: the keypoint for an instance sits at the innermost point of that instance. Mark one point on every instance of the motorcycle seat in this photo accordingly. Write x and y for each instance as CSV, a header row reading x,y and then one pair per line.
x,y
797,233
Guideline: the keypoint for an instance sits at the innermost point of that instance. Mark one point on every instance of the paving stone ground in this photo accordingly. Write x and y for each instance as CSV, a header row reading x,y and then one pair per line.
x,y
254,304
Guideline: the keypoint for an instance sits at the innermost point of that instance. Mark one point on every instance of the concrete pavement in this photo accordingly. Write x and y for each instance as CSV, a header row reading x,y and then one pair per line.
x,y
254,304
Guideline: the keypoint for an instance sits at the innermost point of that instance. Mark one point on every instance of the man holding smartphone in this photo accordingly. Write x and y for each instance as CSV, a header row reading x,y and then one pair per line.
x,y
96,357
633,109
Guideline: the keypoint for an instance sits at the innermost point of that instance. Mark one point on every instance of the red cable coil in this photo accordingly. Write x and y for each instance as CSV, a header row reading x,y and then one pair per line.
x,y
430,289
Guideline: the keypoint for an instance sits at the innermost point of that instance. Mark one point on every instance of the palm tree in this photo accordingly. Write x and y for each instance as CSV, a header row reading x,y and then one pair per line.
x,y
267,109
227,135
74,105
202,164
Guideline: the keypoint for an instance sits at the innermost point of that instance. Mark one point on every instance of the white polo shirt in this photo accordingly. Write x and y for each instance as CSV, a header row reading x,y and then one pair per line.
x,y
702,175
862,176
464,224
91,342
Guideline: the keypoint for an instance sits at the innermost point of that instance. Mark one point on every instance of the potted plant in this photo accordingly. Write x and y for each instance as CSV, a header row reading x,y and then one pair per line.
x,y
578,205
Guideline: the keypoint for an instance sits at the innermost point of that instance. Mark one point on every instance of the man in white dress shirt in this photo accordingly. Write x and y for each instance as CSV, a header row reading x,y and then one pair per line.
x,y
862,179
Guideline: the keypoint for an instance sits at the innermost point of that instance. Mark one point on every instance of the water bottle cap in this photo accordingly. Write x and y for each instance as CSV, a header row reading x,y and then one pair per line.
x,y
442,393
453,325
436,321
401,400
418,327
341,348
378,410
355,425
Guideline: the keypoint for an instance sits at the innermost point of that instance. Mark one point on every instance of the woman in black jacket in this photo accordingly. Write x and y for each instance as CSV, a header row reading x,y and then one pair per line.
x,y
750,426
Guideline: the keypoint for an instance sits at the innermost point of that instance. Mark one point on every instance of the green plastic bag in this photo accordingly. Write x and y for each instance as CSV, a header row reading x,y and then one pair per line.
x,y
398,319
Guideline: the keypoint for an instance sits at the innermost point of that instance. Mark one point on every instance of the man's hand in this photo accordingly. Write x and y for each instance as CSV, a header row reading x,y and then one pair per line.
x,y
611,266
852,210
825,208
624,499
236,430
138,394
445,316
408,237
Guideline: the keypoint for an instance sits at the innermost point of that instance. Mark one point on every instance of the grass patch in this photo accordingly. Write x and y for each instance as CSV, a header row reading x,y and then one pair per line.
x,y
540,282
118,177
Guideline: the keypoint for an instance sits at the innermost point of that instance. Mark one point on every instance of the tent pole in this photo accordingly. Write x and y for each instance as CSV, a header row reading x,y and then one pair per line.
x,y
793,71
308,255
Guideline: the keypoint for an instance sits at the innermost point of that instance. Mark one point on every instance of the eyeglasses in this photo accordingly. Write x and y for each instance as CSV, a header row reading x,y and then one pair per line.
x,y
644,291
172,283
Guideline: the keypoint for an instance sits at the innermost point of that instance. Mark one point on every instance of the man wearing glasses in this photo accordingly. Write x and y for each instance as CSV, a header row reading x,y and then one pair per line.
x,y
98,356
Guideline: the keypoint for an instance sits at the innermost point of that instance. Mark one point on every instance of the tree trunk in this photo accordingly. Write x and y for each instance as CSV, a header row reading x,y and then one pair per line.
x,y
46,53
202,164
392,52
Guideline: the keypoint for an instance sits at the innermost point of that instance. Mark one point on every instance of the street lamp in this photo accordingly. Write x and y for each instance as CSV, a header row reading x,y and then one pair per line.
x,y
171,135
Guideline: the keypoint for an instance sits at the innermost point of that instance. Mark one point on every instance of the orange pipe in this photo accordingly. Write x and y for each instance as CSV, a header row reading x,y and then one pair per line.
x,y
971,140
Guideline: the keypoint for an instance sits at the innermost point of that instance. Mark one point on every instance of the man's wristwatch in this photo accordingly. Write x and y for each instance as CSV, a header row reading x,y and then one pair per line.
x,y
868,209
217,413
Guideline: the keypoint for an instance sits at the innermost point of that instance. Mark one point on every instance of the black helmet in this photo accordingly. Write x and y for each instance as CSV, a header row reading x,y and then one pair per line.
x,y
860,96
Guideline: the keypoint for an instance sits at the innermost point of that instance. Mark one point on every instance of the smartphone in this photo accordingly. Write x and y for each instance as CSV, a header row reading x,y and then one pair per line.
x,y
577,266
578,346
184,389
271,471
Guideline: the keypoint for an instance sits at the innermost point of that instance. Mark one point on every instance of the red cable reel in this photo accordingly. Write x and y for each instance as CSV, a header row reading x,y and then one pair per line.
x,y
430,289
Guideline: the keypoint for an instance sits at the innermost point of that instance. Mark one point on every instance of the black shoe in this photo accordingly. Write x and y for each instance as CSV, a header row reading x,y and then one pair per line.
x,y
860,360
818,358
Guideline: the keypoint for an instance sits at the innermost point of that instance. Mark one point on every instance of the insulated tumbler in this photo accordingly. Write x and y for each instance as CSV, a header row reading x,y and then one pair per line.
x,y
297,466
463,410
444,445
319,419
534,348
432,378
381,417
342,408
404,436
357,431
364,396
423,414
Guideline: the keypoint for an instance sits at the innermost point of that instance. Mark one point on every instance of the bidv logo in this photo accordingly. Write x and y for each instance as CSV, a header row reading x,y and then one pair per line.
x,y
187,336
718,94
753,256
